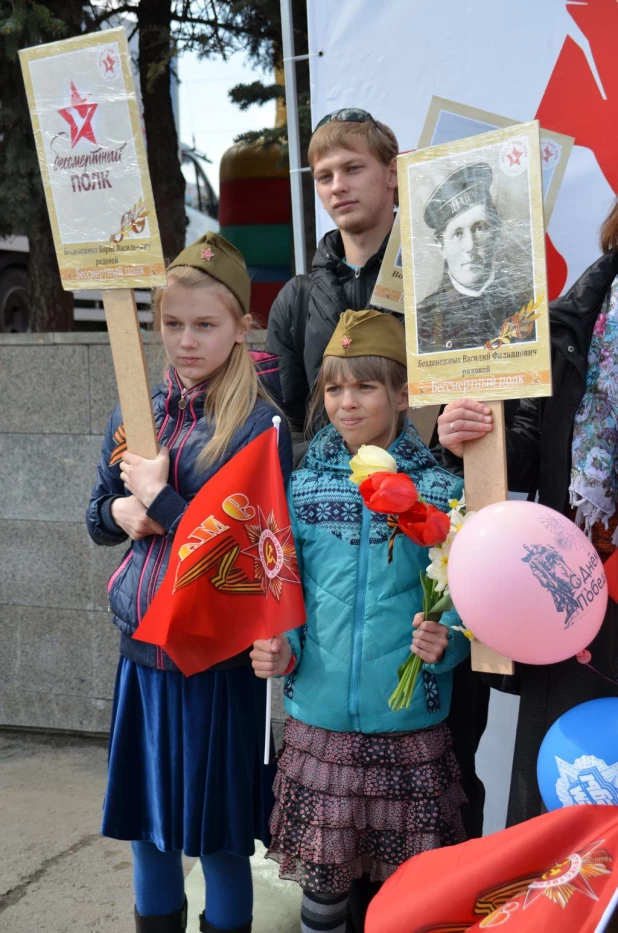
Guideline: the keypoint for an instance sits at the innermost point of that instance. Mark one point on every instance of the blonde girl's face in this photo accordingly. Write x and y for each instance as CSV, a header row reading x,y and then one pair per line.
x,y
199,330
364,412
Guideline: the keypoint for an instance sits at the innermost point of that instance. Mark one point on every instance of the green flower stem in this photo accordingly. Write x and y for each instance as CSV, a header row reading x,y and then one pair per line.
x,y
411,668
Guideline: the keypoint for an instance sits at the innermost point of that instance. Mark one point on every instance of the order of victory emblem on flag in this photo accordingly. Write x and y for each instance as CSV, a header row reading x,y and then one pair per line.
x,y
553,873
273,553
272,550
232,577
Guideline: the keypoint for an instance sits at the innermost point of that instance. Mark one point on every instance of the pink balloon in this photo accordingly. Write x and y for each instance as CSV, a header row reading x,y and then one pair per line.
x,y
527,582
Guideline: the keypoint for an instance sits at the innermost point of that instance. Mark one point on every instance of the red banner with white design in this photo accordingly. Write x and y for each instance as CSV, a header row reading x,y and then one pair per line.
x,y
557,873
232,576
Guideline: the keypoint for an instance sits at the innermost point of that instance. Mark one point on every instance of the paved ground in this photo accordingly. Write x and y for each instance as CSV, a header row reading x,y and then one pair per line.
x,y
58,875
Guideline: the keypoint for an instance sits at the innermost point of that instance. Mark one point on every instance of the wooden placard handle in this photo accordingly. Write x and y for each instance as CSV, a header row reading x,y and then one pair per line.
x,y
130,367
486,482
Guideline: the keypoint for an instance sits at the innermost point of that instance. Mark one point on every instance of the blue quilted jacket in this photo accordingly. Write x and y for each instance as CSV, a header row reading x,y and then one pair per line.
x,y
182,428
359,607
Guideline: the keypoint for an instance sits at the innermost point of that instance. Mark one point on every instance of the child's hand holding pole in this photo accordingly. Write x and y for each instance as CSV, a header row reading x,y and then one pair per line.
x,y
271,658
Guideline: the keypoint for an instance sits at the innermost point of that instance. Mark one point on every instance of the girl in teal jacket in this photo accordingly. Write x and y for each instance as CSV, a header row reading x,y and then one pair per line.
x,y
361,788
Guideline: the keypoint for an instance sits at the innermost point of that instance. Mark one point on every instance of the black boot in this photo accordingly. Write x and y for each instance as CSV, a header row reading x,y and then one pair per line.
x,y
206,927
166,923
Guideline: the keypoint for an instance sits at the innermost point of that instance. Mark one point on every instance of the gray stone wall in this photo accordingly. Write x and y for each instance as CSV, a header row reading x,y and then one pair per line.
x,y
58,647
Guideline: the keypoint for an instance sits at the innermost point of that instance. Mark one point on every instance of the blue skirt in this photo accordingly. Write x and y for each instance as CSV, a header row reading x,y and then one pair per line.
x,y
186,757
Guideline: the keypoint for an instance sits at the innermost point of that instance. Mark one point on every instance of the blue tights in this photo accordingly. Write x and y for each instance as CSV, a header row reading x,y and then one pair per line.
x,y
160,885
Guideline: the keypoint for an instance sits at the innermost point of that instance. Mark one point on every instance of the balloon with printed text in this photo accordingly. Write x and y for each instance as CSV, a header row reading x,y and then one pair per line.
x,y
527,582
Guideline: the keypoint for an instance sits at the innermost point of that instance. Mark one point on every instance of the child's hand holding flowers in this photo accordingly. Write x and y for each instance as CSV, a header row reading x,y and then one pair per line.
x,y
430,639
384,490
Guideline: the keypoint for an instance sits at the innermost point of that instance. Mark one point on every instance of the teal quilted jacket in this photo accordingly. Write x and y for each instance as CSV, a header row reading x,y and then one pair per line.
x,y
359,607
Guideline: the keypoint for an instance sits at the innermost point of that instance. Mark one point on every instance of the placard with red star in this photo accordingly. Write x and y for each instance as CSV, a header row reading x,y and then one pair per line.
x,y
89,141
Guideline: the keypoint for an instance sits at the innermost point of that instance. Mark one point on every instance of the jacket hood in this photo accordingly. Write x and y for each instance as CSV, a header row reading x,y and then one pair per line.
x,y
330,252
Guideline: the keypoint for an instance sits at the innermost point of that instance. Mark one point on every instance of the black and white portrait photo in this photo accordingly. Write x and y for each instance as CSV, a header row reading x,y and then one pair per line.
x,y
471,245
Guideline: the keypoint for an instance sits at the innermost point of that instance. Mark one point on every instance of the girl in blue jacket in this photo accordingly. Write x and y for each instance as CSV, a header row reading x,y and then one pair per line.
x,y
361,788
185,756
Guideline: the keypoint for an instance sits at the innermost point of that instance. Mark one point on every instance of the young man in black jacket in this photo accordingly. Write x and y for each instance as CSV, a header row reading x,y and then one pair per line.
x,y
352,158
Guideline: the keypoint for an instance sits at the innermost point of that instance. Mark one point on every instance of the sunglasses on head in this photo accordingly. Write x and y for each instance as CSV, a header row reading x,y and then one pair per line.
x,y
346,115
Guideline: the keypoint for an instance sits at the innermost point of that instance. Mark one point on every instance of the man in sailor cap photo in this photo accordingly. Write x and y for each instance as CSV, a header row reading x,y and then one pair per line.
x,y
482,285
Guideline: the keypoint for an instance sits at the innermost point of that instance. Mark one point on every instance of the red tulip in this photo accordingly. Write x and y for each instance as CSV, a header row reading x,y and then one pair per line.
x,y
425,524
390,493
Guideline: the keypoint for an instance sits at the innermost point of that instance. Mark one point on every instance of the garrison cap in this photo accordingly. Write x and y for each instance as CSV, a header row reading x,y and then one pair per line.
x,y
368,333
459,191
216,257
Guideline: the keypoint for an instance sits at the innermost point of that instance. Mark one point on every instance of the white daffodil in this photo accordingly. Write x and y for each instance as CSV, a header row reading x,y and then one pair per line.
x,y
458,504
464,631
458,519
438,568
368,460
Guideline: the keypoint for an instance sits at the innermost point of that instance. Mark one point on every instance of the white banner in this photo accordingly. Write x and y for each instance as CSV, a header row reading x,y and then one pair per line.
x,y
552,60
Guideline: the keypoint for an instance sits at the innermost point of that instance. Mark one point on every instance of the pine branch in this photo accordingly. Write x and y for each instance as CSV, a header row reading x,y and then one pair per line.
x,y
106,15
266,139
246,95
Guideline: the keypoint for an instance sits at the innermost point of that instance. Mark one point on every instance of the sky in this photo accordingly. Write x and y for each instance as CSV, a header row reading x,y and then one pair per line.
x,y
208,118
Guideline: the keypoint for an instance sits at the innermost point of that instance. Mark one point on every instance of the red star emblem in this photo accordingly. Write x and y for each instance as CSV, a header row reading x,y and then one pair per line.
x,y
109,63
547,154
79,117
346,342
570,876
273,553
514,156
207,254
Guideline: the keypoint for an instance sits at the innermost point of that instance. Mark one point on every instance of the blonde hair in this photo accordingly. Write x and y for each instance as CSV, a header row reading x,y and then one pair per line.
x,y
387,372
233,389
345,134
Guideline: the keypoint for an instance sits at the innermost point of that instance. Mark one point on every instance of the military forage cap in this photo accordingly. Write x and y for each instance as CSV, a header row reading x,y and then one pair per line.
x,y
368,333
459,191
213,255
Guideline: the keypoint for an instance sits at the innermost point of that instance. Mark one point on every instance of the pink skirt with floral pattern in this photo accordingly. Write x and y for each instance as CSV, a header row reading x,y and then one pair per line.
x,y
350,804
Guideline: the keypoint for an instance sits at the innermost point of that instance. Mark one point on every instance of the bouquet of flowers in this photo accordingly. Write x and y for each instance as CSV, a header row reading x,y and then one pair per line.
x,y
394,494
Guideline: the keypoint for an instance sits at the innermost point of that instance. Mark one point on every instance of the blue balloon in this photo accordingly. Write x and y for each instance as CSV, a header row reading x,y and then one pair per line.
x,y
578,760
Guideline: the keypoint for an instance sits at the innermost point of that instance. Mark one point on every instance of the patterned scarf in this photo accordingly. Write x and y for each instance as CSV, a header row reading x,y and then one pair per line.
x,y
594,454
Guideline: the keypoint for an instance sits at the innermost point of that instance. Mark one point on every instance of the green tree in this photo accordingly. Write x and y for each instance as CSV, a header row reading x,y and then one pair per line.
x,y
22,200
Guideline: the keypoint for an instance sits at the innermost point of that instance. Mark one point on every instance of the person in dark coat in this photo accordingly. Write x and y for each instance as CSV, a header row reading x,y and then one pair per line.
x,y
352,158
551,444
478,291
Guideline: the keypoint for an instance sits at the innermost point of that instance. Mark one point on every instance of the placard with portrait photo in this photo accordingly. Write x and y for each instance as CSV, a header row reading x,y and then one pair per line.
x,y
446,121
475,284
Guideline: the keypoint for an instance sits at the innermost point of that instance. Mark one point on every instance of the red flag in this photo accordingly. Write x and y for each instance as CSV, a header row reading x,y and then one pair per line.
x,y
232,575
556,873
